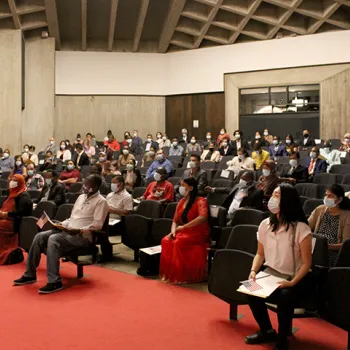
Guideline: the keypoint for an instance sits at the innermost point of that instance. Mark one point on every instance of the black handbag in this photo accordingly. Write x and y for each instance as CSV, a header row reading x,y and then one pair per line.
x,y
15,257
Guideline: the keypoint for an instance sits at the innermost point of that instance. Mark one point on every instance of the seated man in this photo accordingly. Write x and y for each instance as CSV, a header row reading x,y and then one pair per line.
x,y
53,190
277,149
295,172
159,190
49,162
315,164
97,169
332,156
259,155
34,181
197,173
161,161
175,148
226,149
244,195
89,214
80,158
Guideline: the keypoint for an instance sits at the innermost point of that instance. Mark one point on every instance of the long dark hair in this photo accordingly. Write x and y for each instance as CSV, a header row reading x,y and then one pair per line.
x,y
340,193
193,195
291,210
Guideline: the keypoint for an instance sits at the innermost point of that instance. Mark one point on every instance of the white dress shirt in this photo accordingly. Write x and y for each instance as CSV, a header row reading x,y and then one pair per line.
x,y
237,200
66,155
120,201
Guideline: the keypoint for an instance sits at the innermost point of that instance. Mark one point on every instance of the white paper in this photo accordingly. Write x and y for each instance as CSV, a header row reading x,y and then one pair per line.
x,y
113,222
317,141
313,243
41,161
342,154
214,211
137,201
152,250
196,123
225,174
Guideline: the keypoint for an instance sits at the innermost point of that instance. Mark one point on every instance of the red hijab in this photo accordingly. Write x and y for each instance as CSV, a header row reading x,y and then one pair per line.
x,y
21,186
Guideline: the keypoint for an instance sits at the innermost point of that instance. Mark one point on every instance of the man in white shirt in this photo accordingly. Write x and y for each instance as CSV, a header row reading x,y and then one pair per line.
x,y
175,148
89,214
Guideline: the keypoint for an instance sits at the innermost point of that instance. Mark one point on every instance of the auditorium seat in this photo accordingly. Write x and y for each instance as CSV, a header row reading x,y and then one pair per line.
x,y
138,192
160,228
45,206
174,180
76,187
340,169
72,197
179,171
310,205
149,209
222,183
307,190
247,217
207,165
4,184
27,231
243,238
224,174
34,195
327,179
170,210
64,211
346,179
177,159
216,198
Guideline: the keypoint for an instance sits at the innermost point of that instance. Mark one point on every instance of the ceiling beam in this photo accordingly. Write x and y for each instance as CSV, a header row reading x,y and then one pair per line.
x,y
15,17
171,21
140,23
112,22
83,24
52,20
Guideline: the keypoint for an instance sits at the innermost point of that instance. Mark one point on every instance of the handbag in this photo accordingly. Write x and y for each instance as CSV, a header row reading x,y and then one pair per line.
x,y
15,257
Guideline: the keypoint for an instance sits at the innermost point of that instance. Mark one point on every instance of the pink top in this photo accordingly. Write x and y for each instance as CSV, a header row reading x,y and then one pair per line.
x,y
278,246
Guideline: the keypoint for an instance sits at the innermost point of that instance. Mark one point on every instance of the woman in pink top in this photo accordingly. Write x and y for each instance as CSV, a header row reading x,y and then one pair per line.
x,y
284,244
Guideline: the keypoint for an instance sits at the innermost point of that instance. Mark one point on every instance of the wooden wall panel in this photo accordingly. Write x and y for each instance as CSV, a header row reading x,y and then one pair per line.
x,y
208,109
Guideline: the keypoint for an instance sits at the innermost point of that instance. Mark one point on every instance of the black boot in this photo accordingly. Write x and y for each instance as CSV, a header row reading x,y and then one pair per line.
x,y
269,336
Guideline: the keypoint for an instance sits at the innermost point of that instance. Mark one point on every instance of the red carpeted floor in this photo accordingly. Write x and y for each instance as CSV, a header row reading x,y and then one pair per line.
x,y
113,310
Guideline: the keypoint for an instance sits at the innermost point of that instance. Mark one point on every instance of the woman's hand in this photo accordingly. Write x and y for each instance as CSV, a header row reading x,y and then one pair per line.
x,y
285,284
180,228
172,235
252,275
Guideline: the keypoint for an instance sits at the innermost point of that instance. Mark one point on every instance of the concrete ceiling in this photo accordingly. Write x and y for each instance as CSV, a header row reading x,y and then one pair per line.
x,y
170,25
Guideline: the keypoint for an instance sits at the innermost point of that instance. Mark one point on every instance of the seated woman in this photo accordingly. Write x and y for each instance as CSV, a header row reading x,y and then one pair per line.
x,y
6,163
114,168
149,156
184,250
345,146
125,156
19,168
290,144
291,262
210,155
88,148
64,153
17,205
332,220
241,162
132,176
70,175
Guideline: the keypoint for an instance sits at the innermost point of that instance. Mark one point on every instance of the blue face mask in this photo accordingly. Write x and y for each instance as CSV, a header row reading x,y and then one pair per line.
x,y
70,167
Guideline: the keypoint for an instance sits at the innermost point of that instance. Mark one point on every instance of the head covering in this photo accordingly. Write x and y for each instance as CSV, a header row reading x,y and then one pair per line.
x,y
21,186
269,183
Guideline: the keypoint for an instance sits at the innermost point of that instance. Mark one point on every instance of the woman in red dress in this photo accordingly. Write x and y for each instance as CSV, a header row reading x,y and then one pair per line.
x,y
184,250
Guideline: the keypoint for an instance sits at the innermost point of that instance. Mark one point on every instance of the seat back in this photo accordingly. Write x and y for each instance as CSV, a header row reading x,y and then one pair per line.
x,y
72,197
138,192
326,178
346,179
149,209
222,183
27,231
170,210
4,184
208,165
343,258
160,228
303,199
47,206
174,180
85,171
340,169
247,217
320,253
307,190
2,200
216,198
137,231
224,237
224,175
243,238
34,194
76,187
64,211
310,205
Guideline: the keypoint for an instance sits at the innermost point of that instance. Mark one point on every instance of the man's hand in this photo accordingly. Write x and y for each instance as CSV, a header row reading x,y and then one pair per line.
x,y
209,189
60,227
285,284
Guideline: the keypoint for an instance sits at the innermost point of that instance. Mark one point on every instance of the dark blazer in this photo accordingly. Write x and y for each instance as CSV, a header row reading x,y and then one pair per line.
x,y
254,200
281,151
300,174
310,142
57,193
320,166
201,178
230,151
154,144
244,144
48,166
138,177
84,159
24,207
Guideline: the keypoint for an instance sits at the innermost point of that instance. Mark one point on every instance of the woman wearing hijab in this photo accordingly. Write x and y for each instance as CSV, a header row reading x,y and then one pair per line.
x,y
17,205
269,179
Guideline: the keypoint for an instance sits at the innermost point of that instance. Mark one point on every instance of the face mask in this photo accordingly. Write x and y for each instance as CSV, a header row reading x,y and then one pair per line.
x,y
157,177
114,187
192,164
149,140
175,144
159,157
31,153
184,135
329,202
313,155
26,150
13,184
222,132
6,155
211,149
106,138
129,167
257,137
274,205
238,136
275,142
125,152
128,140
242,183
193,142
52,142
208,137
240,156
30,172
70,167
87,190
327,150
183,191
63,146
78,139
346,140
151,153
266,133
258,152
67,143
18,163
266,172
135,135
48,182
306,136
224,144
288,142
164,138
101,159
293,163
159,136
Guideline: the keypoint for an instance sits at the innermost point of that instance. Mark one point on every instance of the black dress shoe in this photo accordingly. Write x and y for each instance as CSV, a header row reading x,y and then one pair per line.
x,y
51,288
262,337
24,280
282,345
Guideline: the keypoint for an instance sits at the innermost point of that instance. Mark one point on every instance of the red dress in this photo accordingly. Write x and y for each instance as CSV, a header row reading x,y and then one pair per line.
x,y
184,259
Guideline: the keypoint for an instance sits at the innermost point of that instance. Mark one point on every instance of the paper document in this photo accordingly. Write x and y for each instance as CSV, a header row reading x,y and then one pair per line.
x,y
137,201
214,211
262,287
43,220
342,154
318,141
225,174
152,250
313,243
113,222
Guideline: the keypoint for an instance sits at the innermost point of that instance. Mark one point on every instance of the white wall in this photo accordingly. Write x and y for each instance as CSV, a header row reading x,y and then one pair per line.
x,y
192,71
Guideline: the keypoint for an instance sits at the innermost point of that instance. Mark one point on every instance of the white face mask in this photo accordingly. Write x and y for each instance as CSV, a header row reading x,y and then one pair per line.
x,y
101,159
31,153
129,140
30,172
164,138
313,155
129,167
159,136
238,136
18,163
288,142
48,182
183,191
275,142
257,137
240,156
106,138
63,146
6,155
224,144
157,177
293,163
326,150
346,140
159,157
208,137
193,142
13,184
184,135
135,135
125,152
266,172
242,183
151,153
222,132
266,133
274,205
26,150
329,202
114,187
175,144
149,140
192,164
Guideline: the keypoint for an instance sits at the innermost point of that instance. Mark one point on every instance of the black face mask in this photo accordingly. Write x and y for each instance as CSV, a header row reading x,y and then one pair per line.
x,y
211,149
306,135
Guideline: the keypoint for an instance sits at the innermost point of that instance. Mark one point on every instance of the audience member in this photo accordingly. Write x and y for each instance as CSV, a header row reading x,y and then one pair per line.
x,y
125,156
16,205
222,135
345,147
292,262
70,146
112,144
127,139
277,149
78,140
136,144
80,158
51,146
238,142
259,155
226,149
19,168
259,140
243,195
132,176
6,163
175,148
315,164
269,179
97,169
184,139
197,173
308,140
88,148
165,142
193,146
332,156
91,139
159,190
210,154
53,190
30,156
268,137
49,162
295,172
63,153
332,220
102,158
290,144
241,162
208,141
150,144
159,136
34,181
70,175
114,168
184,250
160,161
149,156
75,232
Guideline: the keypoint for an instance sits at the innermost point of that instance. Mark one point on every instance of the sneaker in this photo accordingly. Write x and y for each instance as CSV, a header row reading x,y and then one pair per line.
x,y
24,280
51,288
262,337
